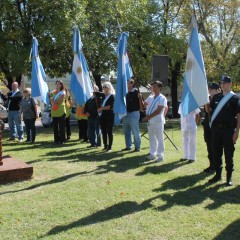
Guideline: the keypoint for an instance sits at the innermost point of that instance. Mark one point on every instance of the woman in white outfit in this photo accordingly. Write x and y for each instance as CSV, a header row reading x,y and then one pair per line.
x,y
189,131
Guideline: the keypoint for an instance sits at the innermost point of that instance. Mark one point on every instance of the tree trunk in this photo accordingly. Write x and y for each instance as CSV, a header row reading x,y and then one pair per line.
x,y
97,78
11,79
174,86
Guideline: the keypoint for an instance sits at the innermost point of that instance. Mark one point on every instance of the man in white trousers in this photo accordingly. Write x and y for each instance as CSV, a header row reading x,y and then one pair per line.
x,y
189,131
156,105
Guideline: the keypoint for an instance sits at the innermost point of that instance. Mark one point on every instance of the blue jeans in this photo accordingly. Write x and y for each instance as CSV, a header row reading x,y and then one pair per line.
x,y
15,125
94,131
131,126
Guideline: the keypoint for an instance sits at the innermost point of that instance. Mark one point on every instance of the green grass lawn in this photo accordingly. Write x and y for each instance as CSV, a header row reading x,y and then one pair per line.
x,y
81,193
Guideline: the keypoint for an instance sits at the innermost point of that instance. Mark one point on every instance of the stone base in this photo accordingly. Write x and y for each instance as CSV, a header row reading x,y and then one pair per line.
x,y
13,170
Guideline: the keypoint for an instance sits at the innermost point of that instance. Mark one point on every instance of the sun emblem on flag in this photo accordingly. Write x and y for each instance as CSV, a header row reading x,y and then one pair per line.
x,y
79,69
189,64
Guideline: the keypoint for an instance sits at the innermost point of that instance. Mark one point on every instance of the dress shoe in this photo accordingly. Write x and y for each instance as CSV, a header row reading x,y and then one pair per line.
x,y
229,179
229,183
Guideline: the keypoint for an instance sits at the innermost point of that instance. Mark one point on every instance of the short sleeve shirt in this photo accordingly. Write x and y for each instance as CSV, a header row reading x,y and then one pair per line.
x,y
153,105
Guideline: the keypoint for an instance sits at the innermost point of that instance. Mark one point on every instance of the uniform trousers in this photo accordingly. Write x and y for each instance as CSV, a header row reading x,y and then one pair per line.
x,y
156,140
222,141
189,144
208,140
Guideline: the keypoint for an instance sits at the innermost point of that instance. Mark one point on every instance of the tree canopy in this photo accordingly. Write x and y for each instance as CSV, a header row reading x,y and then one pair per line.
x,y
154,26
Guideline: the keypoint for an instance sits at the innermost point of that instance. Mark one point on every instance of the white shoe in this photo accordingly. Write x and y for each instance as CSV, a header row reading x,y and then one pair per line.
x,y
151,157
159,160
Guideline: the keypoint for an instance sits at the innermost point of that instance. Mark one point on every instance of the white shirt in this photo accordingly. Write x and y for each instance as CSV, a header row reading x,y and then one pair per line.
x,y
188,123
161,101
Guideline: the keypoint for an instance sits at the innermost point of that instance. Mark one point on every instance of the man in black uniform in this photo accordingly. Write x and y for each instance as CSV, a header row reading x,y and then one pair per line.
x,y
225,124
213,89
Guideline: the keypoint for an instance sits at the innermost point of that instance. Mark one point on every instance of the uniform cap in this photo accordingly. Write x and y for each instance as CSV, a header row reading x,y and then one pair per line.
x,y
226,79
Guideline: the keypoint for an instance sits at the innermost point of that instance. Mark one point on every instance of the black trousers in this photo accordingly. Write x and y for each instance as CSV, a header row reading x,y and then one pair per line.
x,y
68,129
59,129
107,131
208,140
82,129
222,142
30,129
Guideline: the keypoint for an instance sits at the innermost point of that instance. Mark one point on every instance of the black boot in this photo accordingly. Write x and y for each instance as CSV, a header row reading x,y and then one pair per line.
x,y
217,177
229,179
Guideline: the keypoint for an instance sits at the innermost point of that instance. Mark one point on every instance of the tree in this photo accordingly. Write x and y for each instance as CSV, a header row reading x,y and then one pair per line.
x,y
49,21
219,23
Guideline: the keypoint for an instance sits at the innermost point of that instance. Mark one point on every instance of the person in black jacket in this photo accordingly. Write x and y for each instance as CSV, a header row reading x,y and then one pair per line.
x,y
91,106
14,98
131,120
213,89
225,125
107,116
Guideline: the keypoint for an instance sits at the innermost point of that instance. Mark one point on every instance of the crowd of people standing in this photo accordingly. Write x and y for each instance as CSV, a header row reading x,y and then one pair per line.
x,y
96,120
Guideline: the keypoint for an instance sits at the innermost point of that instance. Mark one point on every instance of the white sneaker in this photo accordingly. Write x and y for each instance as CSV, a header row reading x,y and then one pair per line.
x,y
159,160
151,157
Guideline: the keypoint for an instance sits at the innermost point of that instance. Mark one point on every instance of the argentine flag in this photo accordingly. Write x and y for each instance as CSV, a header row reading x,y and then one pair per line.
x,y
195,89
39,86
124,73
80,85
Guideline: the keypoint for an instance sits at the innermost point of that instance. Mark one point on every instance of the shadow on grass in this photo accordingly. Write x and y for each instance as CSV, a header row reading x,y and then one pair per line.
x,y
116,161
192,196
230,232
164,168
113,212
187,194
53,181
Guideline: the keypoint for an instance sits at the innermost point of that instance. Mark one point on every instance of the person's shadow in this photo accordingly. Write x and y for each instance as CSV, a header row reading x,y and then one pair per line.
x,y
232,232
113,212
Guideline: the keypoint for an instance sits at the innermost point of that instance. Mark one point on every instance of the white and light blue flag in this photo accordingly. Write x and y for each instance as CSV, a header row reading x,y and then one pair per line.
x,y
195,89
81,85
124,73
39,85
